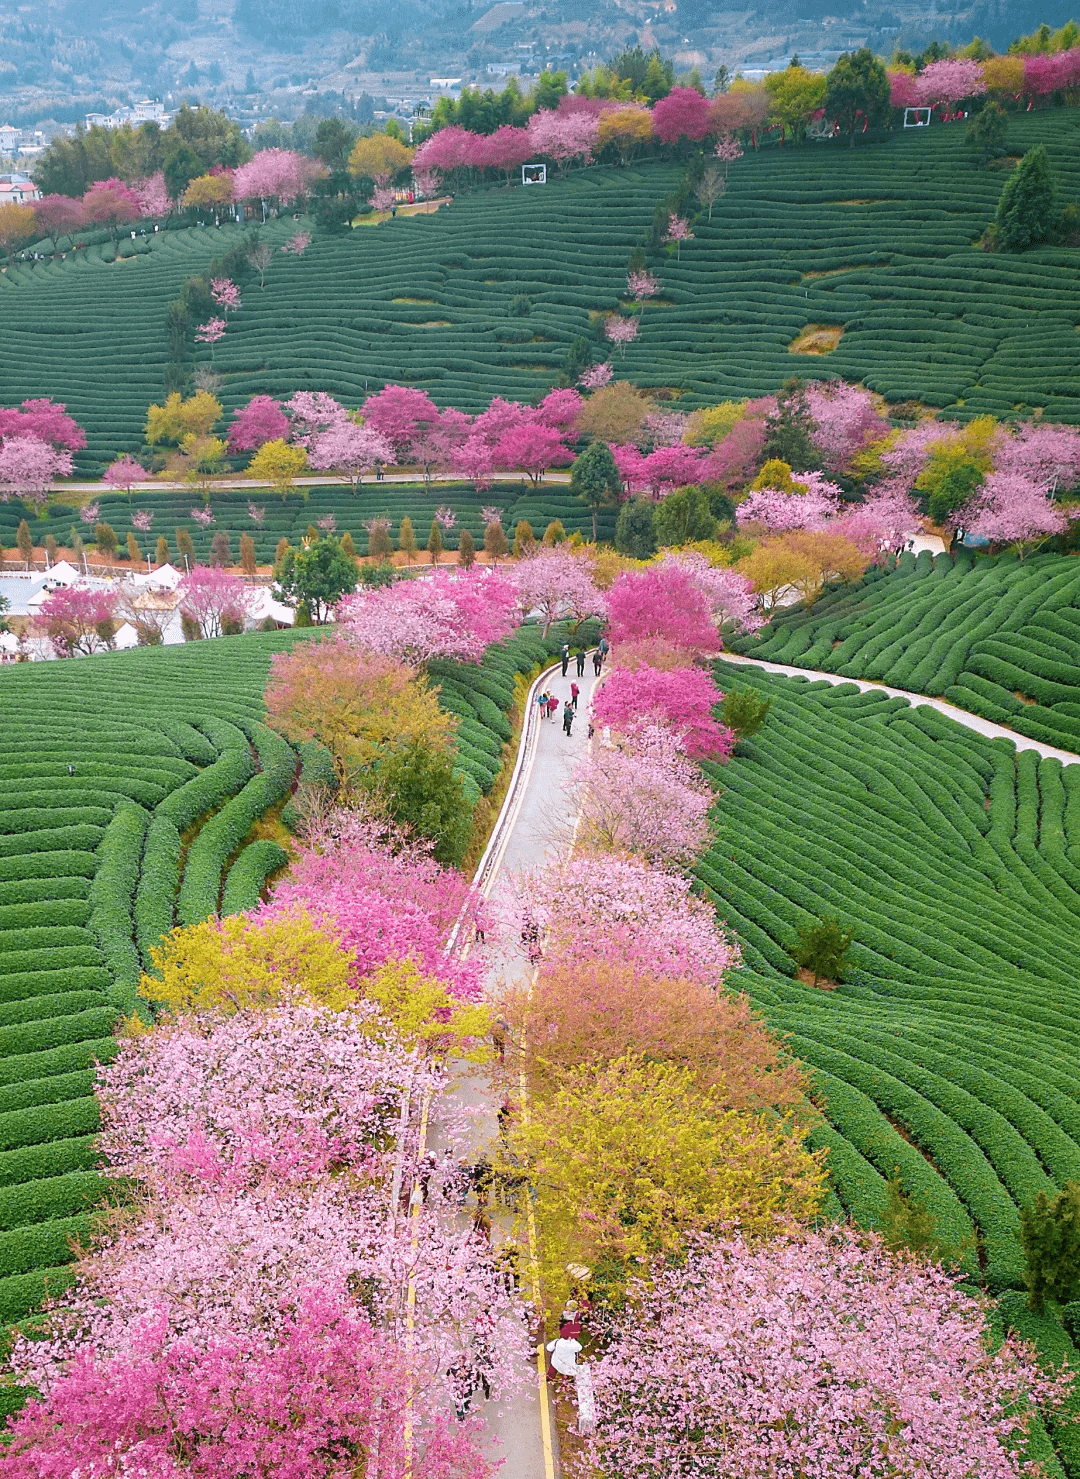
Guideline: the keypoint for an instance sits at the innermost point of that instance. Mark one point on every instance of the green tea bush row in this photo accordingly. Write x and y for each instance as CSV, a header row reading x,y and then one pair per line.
x,y
112,895
247,877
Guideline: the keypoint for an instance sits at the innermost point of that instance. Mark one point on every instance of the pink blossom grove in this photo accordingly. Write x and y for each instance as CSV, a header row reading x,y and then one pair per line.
x,y
681,699
457,614
811,1353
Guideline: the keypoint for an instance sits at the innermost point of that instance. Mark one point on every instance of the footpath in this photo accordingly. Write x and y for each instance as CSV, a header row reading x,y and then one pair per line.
x,y
970,721
535,825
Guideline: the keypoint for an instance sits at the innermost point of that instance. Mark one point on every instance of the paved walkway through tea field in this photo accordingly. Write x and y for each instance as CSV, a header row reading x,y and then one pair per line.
x,y
536,823
970,721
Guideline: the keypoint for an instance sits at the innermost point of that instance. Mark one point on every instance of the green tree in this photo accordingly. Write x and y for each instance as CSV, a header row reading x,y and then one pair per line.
x,y
787,430
594,479
434,542
421,789
133,550
316,577
744,710
106,540
248,562
795,93
822,949
1025,212
524,538
161,550
495,545
378,544
466,550
185,550
554,533
407,539
182,165
333,141
682,516
986,133
953,491
1050,1234
25,542
857,84
906,1223
634,531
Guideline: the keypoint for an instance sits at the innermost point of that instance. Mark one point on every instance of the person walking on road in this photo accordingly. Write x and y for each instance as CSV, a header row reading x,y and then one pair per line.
x,y
542,702
574,691
567,718
603,649
553,706
597,661
565,657
581,662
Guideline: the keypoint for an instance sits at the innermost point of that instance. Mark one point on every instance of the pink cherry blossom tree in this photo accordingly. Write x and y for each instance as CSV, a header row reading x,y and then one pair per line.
x,y
557,585
849,1359
846,421
949,81
402,414
214,599
451,614
261,420
1010,509
728,594
564,137
883,522
636,913
204,517
532,448
275,175
684,113
506,150
124,473
560,408
154,201
58,215
681,700
728,149
354,449
620,331
678,231
143,520
298,244
641,795
904,91
28,468
777,511
225,294
1045,451
474,458
670,467
641,286
47,420
108,202
78,621
596,376
663,604
312,412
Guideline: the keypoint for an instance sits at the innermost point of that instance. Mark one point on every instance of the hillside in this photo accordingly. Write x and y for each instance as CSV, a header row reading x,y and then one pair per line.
x,y
993,636
875,241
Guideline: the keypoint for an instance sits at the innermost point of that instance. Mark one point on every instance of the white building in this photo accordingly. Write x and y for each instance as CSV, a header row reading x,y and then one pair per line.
x,y
147,110
17,189
9,138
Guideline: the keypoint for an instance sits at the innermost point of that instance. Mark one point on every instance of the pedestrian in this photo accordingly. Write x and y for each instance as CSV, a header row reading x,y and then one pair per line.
x,y
567,719
581,662
553,706
482,1176
542,702
499,1029
424,1172
564,1352
604,648
484,1362
481,1224
505,1115
506,1261
71,768
462,1385
592,729
565,657
574,691
597,662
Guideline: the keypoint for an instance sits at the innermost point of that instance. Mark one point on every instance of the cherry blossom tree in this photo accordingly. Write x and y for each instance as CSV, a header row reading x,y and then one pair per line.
x,y
846,421
312,412
453,614
474,458
596,376
564,137
642,286
620,331
275,175
850,1360
1045,451
214,599
124,473
28,467
682,700
560,408
298,244
637,914
1014,510
904,90
225,294
678,231
943,83
400,413
382,903
448,152
642,795
883,522
204,517
47,420
261,420
108,202
354,449
684,113
777,511
666,468
506,150
532,448
557,584
664,604
78,621
153,196
143,520
58,215
256,514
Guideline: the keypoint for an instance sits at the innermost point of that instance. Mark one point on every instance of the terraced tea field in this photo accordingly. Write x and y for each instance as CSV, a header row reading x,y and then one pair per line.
x,y
994,636
947,1055
875,241
173,767
290,517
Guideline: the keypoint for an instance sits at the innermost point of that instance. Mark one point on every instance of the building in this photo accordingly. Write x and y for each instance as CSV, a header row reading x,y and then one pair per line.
x,y
147,110
9,138
18,189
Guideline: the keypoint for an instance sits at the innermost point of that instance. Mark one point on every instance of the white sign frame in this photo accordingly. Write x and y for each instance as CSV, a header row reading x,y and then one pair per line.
x,y
919,122
534,174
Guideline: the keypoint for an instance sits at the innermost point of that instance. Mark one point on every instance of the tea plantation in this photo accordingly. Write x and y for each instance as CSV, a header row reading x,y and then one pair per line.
x,y
290,517
172,766
947,1054
996,637
877,240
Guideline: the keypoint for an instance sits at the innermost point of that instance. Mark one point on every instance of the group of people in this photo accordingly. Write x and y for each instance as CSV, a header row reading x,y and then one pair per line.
x,y
548,702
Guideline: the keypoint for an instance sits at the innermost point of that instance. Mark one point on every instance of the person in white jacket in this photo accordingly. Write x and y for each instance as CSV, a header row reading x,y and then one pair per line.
x,y
564,1352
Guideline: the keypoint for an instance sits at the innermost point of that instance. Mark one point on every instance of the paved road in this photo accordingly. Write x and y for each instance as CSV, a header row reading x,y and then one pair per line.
x,y
539,824
969,721
156,485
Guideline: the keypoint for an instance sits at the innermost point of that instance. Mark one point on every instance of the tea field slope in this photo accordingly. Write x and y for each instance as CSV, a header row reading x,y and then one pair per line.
x,y
947,1054
876,240
995,636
